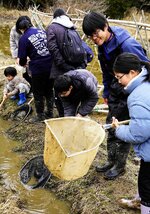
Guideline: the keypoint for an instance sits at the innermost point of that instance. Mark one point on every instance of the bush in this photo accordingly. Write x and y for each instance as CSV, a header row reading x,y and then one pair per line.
x,y
117,8
22,4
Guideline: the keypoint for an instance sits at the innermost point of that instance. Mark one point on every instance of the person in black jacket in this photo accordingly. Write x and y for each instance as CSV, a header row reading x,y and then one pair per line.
x,y
78,92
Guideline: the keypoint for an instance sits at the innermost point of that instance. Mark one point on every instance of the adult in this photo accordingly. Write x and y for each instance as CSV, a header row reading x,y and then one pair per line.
x,y
55,37
14,40
33,44
134,75
112,41
78,92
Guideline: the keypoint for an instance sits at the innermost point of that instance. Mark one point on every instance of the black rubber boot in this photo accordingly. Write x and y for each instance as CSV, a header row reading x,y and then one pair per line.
x,y
39,106
118,169
104,167
111,150
40,116
114,172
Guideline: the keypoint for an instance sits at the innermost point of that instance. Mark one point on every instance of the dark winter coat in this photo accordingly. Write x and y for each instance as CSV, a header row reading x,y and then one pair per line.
x,y
107,53
55,38
83,96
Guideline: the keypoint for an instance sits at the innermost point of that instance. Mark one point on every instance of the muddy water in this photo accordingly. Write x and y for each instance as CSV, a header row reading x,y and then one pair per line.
x,y
39,201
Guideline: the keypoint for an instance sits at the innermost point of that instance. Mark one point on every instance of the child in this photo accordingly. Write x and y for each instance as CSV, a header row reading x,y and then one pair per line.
x,y
134,75
78,92
15,85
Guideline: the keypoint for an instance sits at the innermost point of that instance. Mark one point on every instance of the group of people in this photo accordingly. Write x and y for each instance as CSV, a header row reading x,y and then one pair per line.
x,y
41,53
126,79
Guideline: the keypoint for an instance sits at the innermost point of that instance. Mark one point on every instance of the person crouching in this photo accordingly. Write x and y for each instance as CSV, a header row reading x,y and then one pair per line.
x,y
78,92
15,86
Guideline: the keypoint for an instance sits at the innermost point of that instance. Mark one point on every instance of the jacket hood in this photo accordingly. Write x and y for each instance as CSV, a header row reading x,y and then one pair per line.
x,y
64,21
136,81
120,35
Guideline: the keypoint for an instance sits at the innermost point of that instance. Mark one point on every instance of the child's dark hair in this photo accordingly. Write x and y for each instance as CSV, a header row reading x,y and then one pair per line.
x,y
23,23
128,61
10,71
93,21
62,83
58,12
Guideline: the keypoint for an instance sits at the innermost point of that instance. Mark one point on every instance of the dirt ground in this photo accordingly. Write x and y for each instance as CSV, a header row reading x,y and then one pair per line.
x,y
91,194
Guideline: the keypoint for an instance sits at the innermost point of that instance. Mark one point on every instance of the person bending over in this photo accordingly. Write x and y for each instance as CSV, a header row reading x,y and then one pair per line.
x,y
78,92
15,85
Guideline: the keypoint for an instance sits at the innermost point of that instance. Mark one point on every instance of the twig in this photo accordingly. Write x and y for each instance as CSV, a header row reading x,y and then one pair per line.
x,y
137,27
143,16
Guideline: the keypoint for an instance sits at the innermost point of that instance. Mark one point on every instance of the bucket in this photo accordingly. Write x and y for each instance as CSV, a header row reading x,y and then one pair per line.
x,y
71,144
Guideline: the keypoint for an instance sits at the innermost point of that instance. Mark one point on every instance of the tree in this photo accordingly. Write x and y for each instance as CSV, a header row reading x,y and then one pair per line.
x,y
117,8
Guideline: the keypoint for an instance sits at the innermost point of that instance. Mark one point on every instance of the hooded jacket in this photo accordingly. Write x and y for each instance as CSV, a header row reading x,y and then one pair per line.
x,y
137,132
83,96
55,38
14,40
120,42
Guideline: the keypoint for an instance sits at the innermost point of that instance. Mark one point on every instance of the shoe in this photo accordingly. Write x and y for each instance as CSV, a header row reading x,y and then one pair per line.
x,y
105,167
113,173
130,203
22,99
37,119
14,97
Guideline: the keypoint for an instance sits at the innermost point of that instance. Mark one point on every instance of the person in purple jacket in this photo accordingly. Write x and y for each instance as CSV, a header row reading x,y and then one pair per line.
x,y
78,92
112,41
33,45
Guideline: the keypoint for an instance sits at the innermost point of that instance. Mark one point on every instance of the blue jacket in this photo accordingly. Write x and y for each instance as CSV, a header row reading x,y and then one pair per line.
x,y
138,131
83,96
107,53
33,44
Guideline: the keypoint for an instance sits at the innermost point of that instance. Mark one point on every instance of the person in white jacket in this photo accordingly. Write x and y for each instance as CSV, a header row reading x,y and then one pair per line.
x,y
14,44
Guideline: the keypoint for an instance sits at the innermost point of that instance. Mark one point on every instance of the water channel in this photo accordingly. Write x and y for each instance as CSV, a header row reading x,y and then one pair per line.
x,y
39,201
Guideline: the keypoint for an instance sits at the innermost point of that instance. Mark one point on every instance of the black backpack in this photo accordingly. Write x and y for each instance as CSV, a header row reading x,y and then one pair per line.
x,y
73,51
